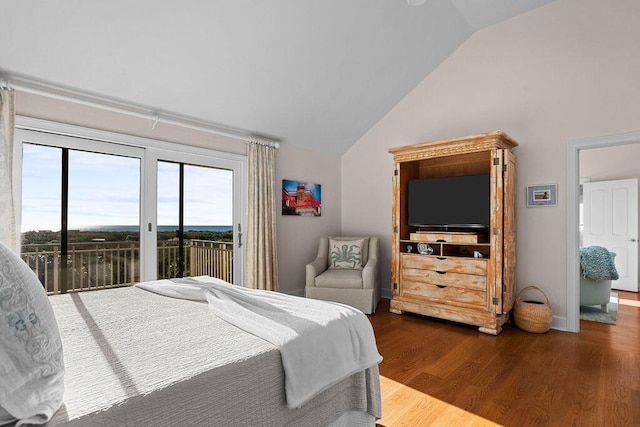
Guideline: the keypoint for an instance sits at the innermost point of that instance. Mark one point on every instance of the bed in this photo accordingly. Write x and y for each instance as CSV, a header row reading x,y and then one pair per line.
x,y
133,357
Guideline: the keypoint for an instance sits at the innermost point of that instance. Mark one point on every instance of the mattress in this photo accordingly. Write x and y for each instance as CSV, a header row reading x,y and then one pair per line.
x,y
135,358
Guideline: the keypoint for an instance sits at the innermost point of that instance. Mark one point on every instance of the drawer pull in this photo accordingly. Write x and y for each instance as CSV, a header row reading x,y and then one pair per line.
x,y
441,272
441,241
441,286
441,258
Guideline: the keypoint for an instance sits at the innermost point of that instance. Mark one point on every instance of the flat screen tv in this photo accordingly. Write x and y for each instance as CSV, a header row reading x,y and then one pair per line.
x,y
450,202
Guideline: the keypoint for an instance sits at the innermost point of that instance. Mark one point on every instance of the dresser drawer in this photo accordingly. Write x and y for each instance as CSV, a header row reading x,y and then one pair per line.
x,y
461,296
442,278
445,264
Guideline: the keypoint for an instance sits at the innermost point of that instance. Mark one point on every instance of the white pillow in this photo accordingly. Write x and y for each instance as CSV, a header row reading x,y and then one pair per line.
x,y
346,254
31,360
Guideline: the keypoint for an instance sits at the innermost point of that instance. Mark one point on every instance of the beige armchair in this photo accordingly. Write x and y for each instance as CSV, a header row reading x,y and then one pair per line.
x,y
346,272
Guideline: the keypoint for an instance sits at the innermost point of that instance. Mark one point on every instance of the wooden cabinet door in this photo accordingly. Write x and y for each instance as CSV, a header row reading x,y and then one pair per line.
x,y
509,228
503,231
494,282
395,232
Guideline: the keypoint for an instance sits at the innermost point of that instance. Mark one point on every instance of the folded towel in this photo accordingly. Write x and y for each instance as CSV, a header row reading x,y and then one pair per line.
x,y
596,263
320,343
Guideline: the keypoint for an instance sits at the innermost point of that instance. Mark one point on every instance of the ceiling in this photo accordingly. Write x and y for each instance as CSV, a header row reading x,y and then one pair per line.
x,y
318,74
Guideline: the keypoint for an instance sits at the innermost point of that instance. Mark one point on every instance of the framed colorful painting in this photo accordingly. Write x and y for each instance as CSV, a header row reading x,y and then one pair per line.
x,y
301,198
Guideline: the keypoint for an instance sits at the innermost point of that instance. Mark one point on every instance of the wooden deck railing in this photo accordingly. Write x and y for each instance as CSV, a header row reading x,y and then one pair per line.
x,y
208,258
101,265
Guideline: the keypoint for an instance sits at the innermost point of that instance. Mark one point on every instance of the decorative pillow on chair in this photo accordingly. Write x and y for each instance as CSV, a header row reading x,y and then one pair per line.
x,y
31,360
346,254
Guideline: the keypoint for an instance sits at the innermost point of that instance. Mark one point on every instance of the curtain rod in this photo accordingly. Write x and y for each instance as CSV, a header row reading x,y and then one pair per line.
x,y
262,141
110,104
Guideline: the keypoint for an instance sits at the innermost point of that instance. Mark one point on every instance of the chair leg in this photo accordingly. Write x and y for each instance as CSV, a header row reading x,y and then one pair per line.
x,y
604,308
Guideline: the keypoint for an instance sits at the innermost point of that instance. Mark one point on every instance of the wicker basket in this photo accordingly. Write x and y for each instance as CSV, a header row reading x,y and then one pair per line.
x,y
533,316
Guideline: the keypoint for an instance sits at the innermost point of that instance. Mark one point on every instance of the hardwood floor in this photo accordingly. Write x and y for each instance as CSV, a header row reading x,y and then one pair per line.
x,y
441,373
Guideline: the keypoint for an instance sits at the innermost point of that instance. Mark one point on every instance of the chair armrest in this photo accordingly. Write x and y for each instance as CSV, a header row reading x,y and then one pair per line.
x,y
370,274
314,269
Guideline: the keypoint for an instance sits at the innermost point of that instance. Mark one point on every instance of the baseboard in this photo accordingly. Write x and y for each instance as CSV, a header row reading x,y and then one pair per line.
x,y
559,323
384,293
296,292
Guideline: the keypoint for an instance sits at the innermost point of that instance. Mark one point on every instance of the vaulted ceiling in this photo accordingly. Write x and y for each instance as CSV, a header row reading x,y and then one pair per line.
x,y
314,73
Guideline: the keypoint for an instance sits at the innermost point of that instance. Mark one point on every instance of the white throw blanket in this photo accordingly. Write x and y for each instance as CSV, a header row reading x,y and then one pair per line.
x,y
320,343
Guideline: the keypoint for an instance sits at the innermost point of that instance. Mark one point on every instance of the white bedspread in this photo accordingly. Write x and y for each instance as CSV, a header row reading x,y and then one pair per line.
x,y
320,343
135,358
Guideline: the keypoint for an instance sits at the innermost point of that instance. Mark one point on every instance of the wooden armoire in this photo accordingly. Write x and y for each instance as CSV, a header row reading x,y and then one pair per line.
x,y
467,275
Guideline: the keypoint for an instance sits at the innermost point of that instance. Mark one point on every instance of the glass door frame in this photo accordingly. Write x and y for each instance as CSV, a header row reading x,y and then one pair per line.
x,y
67,144
154,155
45,132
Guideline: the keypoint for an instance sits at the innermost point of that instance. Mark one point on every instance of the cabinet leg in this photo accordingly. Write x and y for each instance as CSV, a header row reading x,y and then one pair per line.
x,y
395,311
490,331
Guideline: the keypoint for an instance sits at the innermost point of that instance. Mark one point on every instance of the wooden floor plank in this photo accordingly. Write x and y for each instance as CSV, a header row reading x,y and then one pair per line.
x,y
436,372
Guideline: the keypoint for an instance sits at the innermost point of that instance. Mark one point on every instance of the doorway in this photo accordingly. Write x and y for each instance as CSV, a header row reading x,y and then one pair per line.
x,y
610,214
573,216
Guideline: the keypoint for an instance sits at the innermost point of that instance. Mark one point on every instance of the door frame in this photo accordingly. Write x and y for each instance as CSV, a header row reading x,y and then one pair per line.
x,y
573,215
154,155
152,149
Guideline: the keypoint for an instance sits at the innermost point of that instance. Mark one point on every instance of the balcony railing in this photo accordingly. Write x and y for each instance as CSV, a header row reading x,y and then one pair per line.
x,y
102,265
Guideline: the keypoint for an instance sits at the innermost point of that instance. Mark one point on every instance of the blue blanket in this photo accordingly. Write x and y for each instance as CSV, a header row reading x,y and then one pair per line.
x,y
596,263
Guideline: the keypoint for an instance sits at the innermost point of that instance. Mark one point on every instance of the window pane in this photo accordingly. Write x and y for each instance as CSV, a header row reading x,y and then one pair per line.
x,y
104,192
168,214
41,207
208,219
207,223
41,182
208,198
103,220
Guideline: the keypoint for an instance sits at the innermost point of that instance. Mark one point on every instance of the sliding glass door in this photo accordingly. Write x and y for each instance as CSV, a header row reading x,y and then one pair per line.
x,y
97,214
80,216
195,221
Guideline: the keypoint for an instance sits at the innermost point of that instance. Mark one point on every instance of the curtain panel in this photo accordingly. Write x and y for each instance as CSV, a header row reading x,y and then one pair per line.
x,y
261,265
7,207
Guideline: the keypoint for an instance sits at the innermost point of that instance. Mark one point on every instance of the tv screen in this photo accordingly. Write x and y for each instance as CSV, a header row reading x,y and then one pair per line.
x,y
454,201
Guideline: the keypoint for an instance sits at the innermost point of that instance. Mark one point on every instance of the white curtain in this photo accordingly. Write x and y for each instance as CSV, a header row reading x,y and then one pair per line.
x,y
261,267
7,208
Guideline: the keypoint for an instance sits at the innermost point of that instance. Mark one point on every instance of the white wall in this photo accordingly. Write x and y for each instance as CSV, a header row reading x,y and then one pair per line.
x,y
297,235
606,164
565,71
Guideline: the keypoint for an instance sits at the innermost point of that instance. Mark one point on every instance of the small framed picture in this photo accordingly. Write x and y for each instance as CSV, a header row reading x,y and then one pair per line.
x,y
542,195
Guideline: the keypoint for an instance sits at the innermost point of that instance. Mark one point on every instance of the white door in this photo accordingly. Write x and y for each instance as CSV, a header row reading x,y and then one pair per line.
x,y
611,220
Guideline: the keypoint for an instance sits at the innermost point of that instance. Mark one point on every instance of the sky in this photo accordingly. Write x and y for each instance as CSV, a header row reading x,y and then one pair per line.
x,y
105,190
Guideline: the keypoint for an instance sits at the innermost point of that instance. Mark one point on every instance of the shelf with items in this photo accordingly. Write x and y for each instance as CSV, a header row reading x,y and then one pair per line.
x,y
411,246
463,250
440,245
